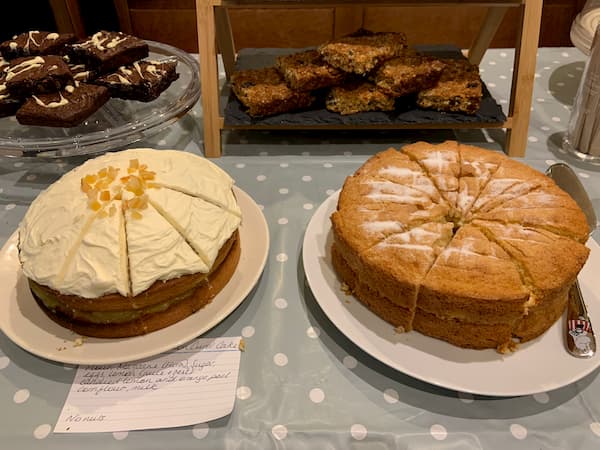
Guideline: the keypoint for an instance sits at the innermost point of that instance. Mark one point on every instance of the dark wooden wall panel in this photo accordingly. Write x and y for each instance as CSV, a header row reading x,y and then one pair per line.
x,y
174,22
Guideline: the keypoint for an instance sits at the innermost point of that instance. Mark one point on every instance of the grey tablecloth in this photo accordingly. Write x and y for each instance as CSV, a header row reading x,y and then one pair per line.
x,y
302,383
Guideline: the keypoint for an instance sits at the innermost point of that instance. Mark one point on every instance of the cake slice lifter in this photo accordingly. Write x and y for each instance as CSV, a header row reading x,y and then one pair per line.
x,y
579,334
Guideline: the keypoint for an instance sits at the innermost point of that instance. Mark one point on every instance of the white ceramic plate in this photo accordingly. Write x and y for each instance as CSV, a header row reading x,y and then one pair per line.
x,y
22,320
538,366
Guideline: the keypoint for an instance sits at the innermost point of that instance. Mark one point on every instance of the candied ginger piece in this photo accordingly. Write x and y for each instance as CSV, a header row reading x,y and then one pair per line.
x,y
136,215
135,185
94,205
134,164
105,196
85,186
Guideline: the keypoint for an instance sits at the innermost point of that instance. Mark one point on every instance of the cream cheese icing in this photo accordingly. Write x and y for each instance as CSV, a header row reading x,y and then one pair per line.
x,y
94,232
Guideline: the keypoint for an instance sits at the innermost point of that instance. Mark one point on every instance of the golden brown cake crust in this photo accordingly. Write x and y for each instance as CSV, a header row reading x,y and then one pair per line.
x,y
481,254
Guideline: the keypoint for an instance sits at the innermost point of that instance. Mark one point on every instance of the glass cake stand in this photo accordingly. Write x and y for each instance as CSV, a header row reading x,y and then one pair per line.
x,y
118,123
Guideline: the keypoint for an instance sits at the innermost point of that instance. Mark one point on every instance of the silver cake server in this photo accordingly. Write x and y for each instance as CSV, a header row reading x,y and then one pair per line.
x,y
580,338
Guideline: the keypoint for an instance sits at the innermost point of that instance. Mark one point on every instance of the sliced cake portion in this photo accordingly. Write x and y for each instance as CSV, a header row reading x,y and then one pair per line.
x,y
103,240
400,169
476,169
511,180
183,172
441,163
473,296
205,226
549,209
153,242
548,264
47,236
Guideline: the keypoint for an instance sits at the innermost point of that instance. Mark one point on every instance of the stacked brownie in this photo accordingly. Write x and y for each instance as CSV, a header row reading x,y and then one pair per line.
x,y
49,79
364,71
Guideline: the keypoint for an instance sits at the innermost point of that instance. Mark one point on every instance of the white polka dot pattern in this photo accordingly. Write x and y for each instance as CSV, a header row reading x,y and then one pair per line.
x,y
200,431
438,432
518,431
279,432
316,395
42,431
390,396
358,431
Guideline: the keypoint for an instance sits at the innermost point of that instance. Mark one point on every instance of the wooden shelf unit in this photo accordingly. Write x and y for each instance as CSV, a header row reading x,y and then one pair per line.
x,y
214,31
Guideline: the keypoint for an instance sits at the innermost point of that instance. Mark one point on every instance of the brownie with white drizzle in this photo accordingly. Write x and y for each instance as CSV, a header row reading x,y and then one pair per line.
x,y
66,108
33,43
8,103
105,51
143,80
37,75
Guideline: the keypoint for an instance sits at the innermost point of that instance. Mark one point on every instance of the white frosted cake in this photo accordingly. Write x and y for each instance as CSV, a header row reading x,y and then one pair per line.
x,y
131,241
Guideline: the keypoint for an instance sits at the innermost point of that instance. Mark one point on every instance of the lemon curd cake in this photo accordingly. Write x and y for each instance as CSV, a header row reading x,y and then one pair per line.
x,y
458,243
131,242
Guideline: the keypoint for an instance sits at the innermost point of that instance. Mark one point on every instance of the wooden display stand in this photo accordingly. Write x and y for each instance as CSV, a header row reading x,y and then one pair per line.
x,y
214,29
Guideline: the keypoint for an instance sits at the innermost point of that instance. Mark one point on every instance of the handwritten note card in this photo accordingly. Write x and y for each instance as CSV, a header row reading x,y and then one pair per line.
x,y
193,384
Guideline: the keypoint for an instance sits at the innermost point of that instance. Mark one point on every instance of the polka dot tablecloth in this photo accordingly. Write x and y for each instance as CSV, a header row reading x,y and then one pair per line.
x,y
302,384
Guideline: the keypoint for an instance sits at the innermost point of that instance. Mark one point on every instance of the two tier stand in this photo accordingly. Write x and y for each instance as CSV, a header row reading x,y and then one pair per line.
x,y
214,32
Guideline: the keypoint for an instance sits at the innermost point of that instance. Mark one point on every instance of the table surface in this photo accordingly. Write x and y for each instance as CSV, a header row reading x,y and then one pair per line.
x,y
302,383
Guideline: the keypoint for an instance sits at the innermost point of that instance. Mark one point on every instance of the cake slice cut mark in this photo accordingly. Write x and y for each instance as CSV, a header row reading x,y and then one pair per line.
x,y
157,251
511,180
441,163
545,208
181,231
475,169
205,226
124,261
540,257
228,206
74,248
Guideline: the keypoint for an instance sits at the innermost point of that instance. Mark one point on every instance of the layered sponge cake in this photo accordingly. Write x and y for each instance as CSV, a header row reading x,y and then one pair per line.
x,y
131,241
459,243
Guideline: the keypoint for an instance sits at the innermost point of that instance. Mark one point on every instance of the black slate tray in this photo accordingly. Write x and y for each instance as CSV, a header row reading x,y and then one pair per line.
x,y
406,112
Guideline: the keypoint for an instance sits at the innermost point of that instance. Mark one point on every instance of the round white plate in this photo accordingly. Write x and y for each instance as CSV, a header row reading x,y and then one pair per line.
x,y
537,366
22,320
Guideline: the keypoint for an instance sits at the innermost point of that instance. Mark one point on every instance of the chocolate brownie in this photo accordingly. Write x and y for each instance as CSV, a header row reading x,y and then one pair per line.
x,y
358,97
8,103
82,73
107,50
264,92
37,75
307,71
34,43
459,89
3,64
66,108
143,80
408,74
361,52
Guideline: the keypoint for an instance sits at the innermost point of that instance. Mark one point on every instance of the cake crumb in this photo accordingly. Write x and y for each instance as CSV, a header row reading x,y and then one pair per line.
x,y
346,289
399,329
78,342
507,347
242,345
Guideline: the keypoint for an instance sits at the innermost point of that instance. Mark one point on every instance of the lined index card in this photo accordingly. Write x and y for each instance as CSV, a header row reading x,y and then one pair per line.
x,y
193,384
